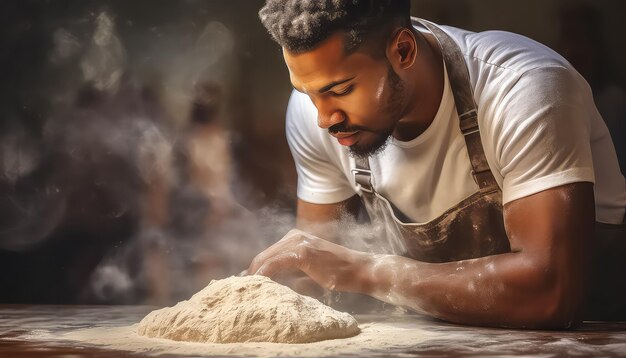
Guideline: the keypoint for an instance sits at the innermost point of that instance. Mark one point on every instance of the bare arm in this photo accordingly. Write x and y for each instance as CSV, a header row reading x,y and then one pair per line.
x,y
539,284
323,219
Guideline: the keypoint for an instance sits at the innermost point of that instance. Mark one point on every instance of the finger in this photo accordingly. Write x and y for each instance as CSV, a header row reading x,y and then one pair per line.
x,y
282,245
261,258
243,273
279,263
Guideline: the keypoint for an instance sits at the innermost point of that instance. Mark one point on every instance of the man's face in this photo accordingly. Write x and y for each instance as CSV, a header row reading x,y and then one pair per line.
x,y
359,99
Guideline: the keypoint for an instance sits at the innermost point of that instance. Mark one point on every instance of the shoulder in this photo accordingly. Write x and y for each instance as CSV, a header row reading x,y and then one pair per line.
x,y
504,50
532,105
300,109
301,118
516,79
305,138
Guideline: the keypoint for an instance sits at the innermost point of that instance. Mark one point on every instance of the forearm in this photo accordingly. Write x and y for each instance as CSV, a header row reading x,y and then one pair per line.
x,y
328,221
511,289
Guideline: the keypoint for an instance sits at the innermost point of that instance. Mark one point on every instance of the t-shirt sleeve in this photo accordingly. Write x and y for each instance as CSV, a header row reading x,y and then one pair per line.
x,y
542,139
321,179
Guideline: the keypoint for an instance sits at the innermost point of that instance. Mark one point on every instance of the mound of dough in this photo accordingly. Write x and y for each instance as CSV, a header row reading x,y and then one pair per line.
x,y
248,309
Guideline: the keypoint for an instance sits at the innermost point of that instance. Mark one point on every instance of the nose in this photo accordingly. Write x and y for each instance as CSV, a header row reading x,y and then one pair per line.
x,y
326,120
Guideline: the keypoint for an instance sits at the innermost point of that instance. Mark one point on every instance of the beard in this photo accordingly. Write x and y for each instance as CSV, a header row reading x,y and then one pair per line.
x,y
371,149
391,108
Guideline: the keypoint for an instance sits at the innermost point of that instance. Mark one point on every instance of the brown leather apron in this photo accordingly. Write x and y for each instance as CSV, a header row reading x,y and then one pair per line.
x,y
475,226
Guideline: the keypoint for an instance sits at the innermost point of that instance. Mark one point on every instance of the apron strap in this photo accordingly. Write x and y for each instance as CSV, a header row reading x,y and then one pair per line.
x,y
465,105
362,174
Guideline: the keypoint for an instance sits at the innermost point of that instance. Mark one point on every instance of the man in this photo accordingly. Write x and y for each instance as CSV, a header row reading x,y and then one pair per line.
x,y
481,155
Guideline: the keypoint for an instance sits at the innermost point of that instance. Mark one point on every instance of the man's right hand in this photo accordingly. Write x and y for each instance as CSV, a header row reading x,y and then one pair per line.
x,y
316,219
331,266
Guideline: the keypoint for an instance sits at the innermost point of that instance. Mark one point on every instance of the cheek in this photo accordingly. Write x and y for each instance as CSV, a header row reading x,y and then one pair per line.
x,y
381,89
363,105
365,115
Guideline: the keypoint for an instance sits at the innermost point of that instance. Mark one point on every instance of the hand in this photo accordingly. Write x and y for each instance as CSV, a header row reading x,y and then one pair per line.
x,y
330,265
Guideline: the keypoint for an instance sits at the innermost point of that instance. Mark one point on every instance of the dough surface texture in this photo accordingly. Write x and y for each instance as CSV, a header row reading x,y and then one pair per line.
x,y
248,309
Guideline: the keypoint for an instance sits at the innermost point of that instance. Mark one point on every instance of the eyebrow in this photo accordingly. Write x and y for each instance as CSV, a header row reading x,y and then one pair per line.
x,y
333,84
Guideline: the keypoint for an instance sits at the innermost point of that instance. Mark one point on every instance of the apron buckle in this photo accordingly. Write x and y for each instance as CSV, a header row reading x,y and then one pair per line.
x,y
482,177
469,122
363,178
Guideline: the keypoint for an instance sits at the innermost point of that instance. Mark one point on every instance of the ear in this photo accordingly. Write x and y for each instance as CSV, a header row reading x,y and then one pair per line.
x,y
402,49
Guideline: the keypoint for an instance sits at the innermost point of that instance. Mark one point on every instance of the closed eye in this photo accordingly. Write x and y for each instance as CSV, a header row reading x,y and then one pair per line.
x,y
344,91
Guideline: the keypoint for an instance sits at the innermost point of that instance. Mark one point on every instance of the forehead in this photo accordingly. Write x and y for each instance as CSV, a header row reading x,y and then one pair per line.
x,y
328,62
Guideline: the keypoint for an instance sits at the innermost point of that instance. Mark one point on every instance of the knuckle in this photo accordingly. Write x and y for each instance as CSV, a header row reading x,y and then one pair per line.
x,y
256,262
302,249
295,233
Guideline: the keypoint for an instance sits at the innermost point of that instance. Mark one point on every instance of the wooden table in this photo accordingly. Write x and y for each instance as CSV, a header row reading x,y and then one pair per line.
x,y
19,322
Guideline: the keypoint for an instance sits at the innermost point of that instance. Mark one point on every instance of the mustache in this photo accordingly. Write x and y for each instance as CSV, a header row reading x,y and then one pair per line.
x,y
343,128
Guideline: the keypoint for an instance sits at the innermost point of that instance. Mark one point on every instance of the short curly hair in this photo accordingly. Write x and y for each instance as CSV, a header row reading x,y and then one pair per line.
x,y
301,25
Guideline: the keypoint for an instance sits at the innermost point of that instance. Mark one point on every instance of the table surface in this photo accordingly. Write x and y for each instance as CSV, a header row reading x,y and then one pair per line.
x,y
590,339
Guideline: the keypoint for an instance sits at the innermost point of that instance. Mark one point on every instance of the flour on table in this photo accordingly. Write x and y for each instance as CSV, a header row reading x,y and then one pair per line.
x,y
248,309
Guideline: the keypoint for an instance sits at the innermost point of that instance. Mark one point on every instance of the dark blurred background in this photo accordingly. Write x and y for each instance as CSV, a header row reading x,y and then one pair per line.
x,y
142,151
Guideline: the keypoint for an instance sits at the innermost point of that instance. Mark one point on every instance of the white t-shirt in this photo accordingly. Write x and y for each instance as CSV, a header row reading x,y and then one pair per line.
x,y
539,127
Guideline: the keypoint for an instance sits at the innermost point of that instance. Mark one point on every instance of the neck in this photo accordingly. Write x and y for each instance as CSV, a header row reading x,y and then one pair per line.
x,y
426,85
